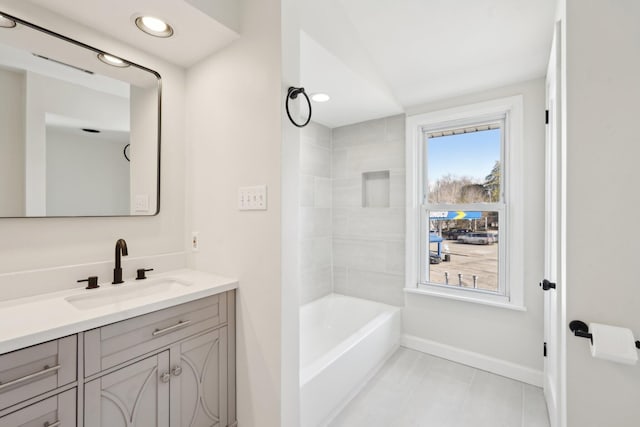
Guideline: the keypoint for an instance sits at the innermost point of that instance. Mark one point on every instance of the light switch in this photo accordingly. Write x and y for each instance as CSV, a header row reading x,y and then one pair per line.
x,y
142,202
252,198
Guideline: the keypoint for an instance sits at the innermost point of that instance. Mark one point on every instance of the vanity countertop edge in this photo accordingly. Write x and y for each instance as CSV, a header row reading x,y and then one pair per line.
x,y
33,320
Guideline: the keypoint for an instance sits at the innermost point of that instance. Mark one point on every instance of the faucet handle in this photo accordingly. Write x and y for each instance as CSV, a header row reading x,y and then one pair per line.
x,y
140,273
92,282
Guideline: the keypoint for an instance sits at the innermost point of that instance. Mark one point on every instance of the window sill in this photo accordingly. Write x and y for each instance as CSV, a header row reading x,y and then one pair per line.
x,y
476,299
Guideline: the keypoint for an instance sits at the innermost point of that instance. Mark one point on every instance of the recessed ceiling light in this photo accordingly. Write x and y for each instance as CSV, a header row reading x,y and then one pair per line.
x,y
6,22
154,26
112,60
320,97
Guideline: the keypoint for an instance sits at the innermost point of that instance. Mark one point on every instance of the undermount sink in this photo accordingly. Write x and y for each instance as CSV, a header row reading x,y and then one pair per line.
x,y
126,292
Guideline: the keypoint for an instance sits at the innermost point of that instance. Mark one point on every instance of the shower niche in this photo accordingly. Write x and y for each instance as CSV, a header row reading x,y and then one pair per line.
x,y
375,189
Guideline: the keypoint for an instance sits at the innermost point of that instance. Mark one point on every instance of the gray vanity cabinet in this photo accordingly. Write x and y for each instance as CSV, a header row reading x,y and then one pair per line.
x,y
170,368
36,370
38,385
119,343
199,381
56,411
185,385
134,396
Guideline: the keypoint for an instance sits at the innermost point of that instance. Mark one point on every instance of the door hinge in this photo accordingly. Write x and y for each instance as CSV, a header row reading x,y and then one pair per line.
x,y
546,117
544,350
546,285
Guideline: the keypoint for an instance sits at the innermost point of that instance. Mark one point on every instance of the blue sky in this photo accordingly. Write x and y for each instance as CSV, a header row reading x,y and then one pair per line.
x,y
469,154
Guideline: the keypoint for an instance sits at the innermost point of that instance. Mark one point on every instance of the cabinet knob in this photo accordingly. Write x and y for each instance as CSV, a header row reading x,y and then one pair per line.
x,y
165,377
176,371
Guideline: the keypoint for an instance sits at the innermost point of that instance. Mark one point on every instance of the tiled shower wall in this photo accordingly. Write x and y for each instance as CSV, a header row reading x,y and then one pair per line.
x,y
368,242
346,247
315,213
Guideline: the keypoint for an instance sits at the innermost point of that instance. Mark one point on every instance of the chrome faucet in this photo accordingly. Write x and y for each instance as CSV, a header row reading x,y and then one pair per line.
x,y
121,250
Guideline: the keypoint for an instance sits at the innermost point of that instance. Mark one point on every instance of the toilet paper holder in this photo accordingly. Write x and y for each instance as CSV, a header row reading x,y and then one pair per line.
x,y
581,329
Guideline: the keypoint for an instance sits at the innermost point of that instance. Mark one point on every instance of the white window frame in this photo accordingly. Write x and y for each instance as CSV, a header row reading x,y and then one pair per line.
x,y
498,206
511,257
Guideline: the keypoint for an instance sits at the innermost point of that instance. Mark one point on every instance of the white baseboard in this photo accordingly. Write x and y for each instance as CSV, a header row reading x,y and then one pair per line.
x,y
475,360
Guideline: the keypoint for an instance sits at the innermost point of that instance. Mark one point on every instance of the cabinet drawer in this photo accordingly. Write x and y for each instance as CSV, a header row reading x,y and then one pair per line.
x,y
58,410
35,370
117,343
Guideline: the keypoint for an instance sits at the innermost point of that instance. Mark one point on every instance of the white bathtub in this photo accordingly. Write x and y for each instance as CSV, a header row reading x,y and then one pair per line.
x,y
343,342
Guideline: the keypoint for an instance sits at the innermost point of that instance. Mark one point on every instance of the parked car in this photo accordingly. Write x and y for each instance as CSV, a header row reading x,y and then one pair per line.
x,y
455,233
479,238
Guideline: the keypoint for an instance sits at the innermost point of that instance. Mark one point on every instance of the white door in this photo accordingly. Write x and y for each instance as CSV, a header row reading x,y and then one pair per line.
x,y
553,346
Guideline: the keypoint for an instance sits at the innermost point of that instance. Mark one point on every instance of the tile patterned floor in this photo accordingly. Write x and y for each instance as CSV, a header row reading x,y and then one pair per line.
x,y
418,390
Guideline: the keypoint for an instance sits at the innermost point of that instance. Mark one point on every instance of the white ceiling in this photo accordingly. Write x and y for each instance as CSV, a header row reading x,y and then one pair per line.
x,y
375,58
196,34
353,99
411,52
20,59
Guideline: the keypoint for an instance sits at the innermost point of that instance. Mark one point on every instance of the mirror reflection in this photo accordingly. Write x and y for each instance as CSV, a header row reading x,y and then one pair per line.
x,y
79,129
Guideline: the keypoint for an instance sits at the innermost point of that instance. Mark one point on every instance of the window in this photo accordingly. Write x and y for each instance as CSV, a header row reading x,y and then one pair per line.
x,y
462,206
464,218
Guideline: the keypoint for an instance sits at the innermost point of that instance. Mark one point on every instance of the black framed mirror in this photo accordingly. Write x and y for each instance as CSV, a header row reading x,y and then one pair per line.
x,y
79,128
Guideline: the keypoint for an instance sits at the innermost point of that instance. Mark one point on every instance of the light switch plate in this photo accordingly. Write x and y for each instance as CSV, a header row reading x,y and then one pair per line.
x,y
252,198
142,202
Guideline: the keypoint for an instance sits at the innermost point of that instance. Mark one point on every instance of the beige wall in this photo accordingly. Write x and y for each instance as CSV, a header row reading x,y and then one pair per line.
x,y
512,336
86,173
234,139
47,95
602,58
12,157
290,217
143,156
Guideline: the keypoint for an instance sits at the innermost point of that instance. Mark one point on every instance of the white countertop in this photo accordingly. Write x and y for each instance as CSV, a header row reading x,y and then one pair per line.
x,y
32,320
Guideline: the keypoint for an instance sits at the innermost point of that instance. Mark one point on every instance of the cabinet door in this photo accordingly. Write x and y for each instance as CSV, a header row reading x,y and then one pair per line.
x,y
58,410
199,381
134,396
